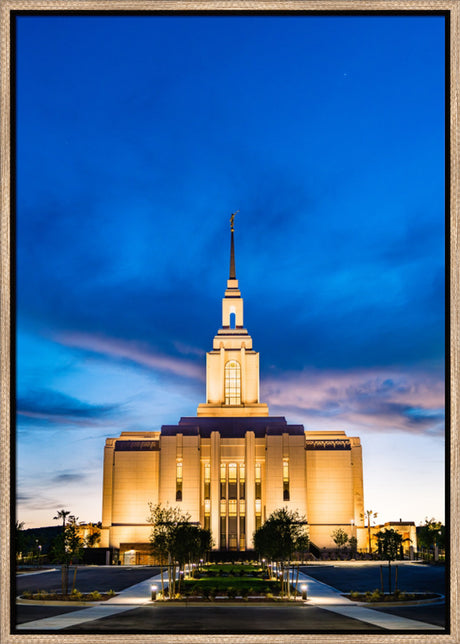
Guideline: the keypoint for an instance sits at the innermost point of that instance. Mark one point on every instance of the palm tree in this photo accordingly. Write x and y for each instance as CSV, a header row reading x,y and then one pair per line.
x,y
62,514
369,514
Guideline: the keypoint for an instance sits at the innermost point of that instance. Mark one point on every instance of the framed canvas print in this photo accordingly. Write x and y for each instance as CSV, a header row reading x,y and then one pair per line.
x,y
229,356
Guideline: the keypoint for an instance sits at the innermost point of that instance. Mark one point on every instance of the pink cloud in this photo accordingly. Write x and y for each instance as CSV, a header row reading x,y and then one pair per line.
x,y
132,351
375,399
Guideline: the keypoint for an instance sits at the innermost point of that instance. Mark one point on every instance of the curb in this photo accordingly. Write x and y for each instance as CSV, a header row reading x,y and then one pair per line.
x,y
413,602
56,602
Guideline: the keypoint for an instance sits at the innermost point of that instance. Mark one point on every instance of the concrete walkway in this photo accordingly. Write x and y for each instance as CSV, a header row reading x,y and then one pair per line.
x,y
127,599
331,599
319,594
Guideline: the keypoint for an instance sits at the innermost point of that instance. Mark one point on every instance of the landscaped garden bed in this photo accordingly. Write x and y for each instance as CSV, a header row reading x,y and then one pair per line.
x,y
230,581
398,596
74,596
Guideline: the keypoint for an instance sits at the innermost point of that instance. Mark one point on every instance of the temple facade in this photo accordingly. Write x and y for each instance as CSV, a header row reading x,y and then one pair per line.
x,y
232,464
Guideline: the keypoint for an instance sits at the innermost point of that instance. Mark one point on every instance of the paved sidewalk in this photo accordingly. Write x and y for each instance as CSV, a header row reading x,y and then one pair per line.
x,y
328,598
127,599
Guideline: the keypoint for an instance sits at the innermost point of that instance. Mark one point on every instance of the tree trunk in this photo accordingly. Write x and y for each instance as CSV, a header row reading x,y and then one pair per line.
x,y
74,578
389,576
162,580
169,577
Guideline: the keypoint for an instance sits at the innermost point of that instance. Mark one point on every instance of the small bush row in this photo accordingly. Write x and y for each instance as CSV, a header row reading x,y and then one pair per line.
x,y
75,595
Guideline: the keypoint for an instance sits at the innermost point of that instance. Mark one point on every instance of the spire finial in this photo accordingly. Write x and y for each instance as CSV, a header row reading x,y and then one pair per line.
x,y
232,247
232,220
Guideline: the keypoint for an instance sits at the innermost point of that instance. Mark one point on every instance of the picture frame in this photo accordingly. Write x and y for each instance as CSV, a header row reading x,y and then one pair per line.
x,y
8,10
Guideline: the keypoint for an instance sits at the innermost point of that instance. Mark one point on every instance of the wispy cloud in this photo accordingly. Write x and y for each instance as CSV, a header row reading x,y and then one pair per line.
x,y
46,406
377,400
69,476
134,352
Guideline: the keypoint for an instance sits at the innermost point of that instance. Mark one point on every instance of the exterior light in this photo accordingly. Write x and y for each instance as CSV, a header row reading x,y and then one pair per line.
x,y
303,588
153,591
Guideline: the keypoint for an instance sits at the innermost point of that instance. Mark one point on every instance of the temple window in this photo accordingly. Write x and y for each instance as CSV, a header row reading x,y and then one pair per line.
x,y
232,383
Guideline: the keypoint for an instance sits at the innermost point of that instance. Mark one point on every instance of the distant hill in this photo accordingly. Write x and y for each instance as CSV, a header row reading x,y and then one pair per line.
x,y
44,536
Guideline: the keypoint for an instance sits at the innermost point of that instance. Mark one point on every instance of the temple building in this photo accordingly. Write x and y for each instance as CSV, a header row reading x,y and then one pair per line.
x,y
232,464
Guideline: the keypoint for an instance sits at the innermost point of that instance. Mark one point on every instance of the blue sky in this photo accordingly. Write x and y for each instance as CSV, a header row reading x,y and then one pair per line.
x,y
137,136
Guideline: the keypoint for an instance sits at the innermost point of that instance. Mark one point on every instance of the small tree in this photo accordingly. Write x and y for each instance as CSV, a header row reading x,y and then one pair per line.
x,y
389,543
283,534
67,550
340,538
353,541
93,537
22,541
432,534
175,540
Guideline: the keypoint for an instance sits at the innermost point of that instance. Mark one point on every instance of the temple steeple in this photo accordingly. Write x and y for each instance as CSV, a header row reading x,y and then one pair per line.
x,y
232,366
232,247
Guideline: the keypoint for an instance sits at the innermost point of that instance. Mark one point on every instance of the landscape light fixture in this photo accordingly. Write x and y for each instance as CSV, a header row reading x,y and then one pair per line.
x,y
153,591
303,588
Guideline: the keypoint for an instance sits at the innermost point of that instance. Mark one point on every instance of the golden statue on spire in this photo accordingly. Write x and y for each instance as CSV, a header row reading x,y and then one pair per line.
x,y
232,220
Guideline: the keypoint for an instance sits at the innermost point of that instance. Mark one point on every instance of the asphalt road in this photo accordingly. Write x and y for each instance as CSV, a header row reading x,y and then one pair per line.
x,y
101,578
224,619
412,577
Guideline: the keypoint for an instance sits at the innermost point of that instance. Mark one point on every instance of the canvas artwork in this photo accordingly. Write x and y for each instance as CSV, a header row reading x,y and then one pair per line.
x,y
230,278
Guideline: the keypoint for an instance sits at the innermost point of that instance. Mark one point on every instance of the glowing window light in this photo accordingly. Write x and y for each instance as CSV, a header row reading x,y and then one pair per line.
x,y
232,383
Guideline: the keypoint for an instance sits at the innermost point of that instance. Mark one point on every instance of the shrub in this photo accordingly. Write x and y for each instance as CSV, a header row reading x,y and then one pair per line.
x,y
111,593
75,595
95,595
26,594
232,592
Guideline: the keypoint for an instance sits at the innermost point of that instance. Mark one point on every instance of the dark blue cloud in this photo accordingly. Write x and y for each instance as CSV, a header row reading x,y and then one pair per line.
x,y
50,406
69,477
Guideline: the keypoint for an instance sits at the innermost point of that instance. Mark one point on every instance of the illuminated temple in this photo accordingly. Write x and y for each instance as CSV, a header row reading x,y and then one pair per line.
x,y
232,464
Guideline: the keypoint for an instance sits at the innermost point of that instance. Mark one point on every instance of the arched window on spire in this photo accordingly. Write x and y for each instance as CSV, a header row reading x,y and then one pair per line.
x,y
232,383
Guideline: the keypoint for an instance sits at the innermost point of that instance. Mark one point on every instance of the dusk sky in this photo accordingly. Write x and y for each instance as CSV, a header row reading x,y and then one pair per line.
x,y
137,137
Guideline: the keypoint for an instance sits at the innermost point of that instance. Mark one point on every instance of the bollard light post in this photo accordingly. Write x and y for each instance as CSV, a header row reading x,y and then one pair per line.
x,y
303,588
153,591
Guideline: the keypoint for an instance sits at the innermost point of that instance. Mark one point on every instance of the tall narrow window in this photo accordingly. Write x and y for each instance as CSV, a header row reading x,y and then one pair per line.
x,y
232,525
223,525
207,480
242,525
207,514
223,481
258,513
232,320
285,479
232,481
232,383
258,481
179,481
242,481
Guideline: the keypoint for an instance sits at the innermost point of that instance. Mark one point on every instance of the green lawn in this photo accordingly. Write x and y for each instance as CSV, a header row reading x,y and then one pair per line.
x,y
236,586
